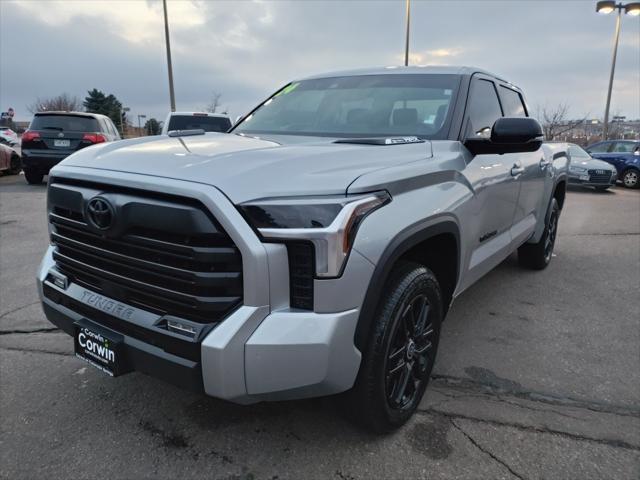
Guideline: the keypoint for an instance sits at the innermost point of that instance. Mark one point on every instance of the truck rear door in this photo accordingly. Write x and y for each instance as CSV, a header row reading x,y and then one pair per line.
x,y
530,169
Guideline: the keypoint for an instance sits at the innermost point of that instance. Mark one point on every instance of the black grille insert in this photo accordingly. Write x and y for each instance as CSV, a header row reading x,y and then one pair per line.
x,y
599,176
164,254
301,274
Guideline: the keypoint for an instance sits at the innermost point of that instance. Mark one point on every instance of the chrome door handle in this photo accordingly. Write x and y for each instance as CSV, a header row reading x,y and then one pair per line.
x,y
517,169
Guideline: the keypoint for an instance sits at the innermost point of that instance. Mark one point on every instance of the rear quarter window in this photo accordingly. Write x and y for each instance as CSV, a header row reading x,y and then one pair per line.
x,y
512,103
64,123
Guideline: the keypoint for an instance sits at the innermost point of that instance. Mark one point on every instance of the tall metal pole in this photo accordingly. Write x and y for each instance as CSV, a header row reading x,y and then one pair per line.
x,y
166,35
406,43
605,130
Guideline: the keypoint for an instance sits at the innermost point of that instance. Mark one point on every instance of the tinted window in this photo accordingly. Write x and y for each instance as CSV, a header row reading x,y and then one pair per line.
x,y
195,122
358,106
600,147
623,147
112,128
66,123
512,103
484,108
577,152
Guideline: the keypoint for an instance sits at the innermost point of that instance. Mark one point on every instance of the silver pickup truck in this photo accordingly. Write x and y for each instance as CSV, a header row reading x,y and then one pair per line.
x,y
313,250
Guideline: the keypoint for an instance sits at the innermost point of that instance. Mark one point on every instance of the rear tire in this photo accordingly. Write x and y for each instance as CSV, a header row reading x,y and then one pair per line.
x,y
397,362
631,178
536,256
15,167
33,178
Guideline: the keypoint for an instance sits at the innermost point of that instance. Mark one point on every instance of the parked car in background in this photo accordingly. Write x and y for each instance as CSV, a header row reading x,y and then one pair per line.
x,y
624,155
53,136
209,122
8,136
590,172
9,160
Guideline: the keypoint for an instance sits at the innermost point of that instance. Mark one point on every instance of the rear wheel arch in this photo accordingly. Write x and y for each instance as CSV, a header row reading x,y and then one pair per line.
x,y
435,246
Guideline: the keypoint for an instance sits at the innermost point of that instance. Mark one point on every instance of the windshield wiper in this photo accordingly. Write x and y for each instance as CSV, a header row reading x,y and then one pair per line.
x,y
381,140
60,129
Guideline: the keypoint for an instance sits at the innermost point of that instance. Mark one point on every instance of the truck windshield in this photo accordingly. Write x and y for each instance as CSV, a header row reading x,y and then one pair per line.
x,y
358,106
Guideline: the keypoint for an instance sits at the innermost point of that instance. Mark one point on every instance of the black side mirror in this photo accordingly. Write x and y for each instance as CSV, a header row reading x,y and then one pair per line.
x,y
508,135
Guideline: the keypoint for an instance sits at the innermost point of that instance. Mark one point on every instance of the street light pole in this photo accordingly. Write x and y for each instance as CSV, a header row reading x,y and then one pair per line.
x,y
406,42
172,97
605,7
616,38
139,124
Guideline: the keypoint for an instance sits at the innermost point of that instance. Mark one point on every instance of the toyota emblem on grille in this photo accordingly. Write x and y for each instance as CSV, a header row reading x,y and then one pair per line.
x,y
100,213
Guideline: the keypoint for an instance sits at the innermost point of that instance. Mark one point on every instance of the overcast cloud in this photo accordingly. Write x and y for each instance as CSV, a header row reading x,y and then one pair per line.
x,y
557,51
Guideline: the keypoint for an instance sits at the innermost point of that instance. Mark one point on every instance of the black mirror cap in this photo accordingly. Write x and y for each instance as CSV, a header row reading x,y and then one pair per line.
x,y
516,130
508,135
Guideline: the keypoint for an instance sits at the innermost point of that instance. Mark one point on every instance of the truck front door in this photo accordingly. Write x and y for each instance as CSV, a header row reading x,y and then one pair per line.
x,y
494,186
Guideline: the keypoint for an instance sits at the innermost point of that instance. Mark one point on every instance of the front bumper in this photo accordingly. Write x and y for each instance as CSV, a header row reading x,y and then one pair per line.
x,y
254,354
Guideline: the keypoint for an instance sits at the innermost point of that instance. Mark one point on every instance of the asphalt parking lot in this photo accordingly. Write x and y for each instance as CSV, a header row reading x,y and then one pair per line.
x,y
538,376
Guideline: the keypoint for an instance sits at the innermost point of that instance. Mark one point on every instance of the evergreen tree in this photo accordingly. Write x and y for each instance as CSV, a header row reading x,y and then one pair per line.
x,y
97,102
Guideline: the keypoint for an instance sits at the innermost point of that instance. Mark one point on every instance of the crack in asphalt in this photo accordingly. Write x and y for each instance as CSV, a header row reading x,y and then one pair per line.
x,y
18,308
528,407
484,450
533,429
27,332
468,384
34,350
612,234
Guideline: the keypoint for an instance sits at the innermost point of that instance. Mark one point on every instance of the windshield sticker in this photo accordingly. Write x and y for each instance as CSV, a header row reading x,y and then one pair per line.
x,y
288,89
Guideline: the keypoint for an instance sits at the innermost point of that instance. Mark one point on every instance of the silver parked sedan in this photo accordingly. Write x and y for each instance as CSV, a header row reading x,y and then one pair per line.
x,y
587,171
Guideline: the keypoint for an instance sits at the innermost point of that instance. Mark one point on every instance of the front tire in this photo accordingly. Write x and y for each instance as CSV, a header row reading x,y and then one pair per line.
x,y
401,350
33,178
631,178
536,256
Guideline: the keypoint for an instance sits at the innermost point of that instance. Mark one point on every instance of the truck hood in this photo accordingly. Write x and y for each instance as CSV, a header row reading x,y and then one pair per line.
x,y
247,168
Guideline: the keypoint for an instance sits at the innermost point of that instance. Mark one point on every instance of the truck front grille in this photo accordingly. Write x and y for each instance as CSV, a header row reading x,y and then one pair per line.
x,y
164,254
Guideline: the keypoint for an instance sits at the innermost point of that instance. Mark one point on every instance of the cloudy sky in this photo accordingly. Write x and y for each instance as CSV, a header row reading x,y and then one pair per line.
x,y
557,51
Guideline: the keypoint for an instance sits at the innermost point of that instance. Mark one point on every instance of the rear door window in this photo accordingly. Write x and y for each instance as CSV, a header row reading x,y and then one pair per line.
x,y
600,148
64,123
512,103
195,122
623,147
484,109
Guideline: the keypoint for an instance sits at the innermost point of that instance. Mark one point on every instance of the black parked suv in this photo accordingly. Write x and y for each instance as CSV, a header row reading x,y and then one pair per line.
x,y
52,136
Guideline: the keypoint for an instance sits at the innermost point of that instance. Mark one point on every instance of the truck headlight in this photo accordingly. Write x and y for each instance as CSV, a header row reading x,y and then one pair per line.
x,y
574,169
330,223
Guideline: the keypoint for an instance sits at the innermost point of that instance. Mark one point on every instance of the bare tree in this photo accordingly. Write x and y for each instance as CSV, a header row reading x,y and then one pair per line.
x,y
213,106
554,121
63,102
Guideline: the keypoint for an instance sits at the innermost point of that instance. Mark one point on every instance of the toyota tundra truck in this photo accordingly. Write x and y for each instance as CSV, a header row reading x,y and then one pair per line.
x,y
315,249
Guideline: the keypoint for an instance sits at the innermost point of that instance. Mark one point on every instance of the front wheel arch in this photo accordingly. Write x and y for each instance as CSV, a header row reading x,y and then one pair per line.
x,y
402,247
